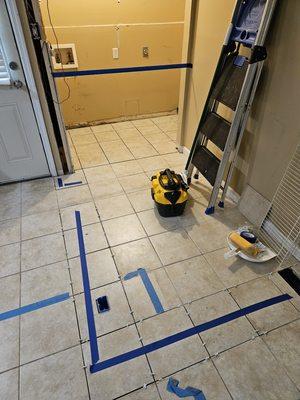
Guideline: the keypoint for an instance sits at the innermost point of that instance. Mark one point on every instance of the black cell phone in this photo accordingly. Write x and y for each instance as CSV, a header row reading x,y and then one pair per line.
x,y
102,304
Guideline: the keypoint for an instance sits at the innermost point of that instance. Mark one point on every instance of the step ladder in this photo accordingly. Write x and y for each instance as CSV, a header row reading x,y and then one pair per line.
x,y
233,89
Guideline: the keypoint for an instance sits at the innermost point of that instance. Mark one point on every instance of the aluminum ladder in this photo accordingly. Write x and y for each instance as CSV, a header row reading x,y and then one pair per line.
x,y
233,89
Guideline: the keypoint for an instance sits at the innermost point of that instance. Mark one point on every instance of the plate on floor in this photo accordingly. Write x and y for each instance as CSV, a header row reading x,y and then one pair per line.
x,y
266,255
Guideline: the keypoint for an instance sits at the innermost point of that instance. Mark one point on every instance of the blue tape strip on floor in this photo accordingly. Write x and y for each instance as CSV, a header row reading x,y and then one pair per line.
x,y
60,182
73,183
65,74
149,348
87,292
148,286
34,306
173,387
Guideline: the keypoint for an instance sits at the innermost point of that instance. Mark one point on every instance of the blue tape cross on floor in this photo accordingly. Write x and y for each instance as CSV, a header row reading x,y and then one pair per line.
x,y
62,185
173,387
148,286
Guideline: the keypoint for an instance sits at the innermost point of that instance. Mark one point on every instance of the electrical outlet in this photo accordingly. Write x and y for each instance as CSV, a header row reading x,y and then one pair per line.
x,y
145,51
115,52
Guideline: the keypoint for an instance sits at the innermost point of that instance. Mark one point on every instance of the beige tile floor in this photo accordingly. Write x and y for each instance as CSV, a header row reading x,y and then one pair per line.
x,y
44,354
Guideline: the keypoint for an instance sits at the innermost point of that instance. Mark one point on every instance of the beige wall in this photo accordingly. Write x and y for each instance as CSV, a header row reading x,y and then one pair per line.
x,y
156,24
274,126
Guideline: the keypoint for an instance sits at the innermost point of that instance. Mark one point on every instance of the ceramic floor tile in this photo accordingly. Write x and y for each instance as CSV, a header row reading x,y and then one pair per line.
x,y
133,255
139,299
88,215
101,268
94,239
91,155
203,376
174,246
153,223
143,150
106,136
42,251
102,128
156,138
127,168
10,256
123,229
149,130
172,358
10,231
9,293
9,353
59,376
175,159
10,192
54,330
225,336
165,147
193,279
106,188
9,385
10,208
38,185
141,200
73,195
259,290
130,134
40,224
153,163
193,213
235,270
134,183
116,381
251,372
80,131
116,151
98,174
81,140
143,122
117,317
114,207
284,344
119,126
172,135
38,201
42,283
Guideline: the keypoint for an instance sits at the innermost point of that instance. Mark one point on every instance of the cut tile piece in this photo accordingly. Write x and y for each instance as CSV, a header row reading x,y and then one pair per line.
x,y
127,168
94,239
54,330
153,223
251,372
9,385
117,317
80,131
116,381
271,317
193,279
10,231
101,267
73,195
170,359
42,251
224,336
10,256
284,344
174,246
60,375
139,299
88,215
42,283
202,376
99,174
123,229
41,224
106,188
114,207
141,200
134,183
133,255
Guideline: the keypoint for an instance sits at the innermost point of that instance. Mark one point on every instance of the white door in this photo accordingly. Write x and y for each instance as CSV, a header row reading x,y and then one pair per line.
x,y
22,154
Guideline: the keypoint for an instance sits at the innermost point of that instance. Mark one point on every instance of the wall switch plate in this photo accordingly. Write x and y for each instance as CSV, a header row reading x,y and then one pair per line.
x,y
145,51
115,52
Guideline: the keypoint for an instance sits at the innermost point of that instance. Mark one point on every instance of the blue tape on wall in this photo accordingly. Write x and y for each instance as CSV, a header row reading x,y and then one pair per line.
x,y
173,387
148,286
149,348
87,292
107,71
34,306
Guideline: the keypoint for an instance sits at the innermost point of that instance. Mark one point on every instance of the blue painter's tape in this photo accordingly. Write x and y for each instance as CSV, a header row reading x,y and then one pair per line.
x,y
148,286
34,306
87,292
173,387
60,183
73,183
107,71
149,348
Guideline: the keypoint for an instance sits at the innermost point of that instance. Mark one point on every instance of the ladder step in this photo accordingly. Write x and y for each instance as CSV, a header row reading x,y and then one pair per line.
x,y
228,88
207,163
216,129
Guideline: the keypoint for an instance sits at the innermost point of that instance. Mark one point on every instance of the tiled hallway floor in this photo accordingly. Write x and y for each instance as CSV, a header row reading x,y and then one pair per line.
x,y
43,354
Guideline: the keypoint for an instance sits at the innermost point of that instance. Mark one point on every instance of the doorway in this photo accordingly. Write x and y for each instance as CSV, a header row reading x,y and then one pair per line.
x,y
22,155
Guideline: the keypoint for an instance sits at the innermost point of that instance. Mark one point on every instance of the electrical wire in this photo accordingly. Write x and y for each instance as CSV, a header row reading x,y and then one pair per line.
x,y
59,52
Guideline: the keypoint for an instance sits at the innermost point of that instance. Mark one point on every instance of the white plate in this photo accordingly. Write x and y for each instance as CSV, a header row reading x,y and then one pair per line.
x,y
264,256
